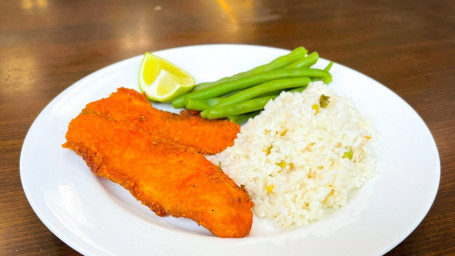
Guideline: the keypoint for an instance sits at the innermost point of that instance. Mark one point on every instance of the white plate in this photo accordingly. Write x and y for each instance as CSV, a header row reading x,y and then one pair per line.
x,y
98,217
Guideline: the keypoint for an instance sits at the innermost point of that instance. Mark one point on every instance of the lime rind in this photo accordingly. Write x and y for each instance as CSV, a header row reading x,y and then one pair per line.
x,y
161,80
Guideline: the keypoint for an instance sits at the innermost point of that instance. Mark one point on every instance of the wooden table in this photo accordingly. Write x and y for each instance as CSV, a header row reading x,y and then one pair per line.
x,y
47,45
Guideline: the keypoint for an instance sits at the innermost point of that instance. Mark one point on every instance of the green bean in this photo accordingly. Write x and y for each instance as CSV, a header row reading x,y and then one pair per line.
x,y
274,86
201,104
237,109
277,63
300,89
306,62
248,81
328,79
242,118
329,66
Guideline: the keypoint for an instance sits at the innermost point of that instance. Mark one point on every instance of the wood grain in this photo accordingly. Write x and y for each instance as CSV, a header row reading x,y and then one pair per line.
x,y
47,45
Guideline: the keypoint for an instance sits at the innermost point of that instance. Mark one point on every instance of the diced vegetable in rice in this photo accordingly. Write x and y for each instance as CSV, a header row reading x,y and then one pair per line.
x,y
301,156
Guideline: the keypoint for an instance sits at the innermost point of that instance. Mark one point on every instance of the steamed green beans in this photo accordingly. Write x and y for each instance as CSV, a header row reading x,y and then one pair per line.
x,y
240,119
248,81
201,104
277,63
300,89
329,66
306,62
244,95
258,90
235,106
237,109
328,79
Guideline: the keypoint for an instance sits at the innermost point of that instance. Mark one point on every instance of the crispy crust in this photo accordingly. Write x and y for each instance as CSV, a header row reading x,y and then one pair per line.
x,y
190,130
169,178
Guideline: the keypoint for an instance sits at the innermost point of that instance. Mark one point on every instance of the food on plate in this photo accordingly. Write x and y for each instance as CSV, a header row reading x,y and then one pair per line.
x,y
295,59
298,161
305,62
123,138
232,102
233,97
240,119
237,95
161,80
233,110
264,78
301,153
204,136
271,87
230,86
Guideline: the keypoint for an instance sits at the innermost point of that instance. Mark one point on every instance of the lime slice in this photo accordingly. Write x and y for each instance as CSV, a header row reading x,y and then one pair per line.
x,y
161,80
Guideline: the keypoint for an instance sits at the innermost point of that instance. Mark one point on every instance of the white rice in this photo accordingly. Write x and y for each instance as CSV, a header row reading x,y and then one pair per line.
x,y
290,159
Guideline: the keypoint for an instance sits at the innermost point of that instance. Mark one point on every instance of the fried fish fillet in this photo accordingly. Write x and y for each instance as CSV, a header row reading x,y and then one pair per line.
x,y
204,136
169,178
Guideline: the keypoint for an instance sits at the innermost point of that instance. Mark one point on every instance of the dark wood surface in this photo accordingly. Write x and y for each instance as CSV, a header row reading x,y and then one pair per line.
x,y
47,45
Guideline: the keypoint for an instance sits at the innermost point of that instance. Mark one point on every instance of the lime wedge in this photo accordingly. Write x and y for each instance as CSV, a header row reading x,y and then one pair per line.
x,y
161,80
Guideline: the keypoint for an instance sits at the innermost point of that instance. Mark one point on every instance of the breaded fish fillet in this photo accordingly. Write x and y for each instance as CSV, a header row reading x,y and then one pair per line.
x,y
168,178
205,136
